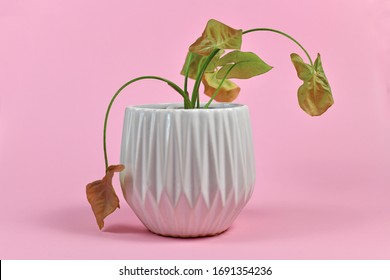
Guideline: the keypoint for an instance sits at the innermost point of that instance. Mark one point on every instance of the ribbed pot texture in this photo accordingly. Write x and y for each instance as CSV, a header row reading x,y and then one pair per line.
x,y
188,173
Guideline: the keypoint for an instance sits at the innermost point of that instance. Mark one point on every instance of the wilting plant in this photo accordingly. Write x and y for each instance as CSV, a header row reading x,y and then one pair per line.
x,y
207,63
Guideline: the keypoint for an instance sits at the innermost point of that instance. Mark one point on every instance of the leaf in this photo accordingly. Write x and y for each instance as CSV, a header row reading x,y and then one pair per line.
x,y
318,64
304,71
217,36
247,65
228,91
315,95
102,197
197,61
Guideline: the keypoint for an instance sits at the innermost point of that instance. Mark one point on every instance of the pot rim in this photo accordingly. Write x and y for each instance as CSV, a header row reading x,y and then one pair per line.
x,y
179,107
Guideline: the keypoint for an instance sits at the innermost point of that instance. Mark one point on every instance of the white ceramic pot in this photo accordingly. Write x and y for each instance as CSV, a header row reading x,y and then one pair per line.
x,y
188,173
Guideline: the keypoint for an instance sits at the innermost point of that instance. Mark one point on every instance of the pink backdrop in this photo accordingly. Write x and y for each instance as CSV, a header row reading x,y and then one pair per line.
x,y
323,184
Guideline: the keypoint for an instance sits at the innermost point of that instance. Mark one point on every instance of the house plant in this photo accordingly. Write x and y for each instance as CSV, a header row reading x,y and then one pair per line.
x,y
187,169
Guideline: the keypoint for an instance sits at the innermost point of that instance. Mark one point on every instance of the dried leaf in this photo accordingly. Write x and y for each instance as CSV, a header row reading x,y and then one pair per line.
x,y
217,36
228,91
102,197
314,95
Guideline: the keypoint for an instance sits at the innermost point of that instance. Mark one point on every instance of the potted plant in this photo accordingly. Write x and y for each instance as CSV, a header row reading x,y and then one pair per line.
x,y
188,169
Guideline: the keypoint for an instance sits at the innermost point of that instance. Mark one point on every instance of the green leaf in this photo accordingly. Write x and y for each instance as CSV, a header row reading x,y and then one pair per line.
x,y
196,63
320,72
318,64
315,95
247,65
304,71
217,36
228,92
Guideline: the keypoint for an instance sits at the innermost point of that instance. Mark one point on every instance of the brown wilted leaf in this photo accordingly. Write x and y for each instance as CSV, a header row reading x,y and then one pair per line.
x,y
102,197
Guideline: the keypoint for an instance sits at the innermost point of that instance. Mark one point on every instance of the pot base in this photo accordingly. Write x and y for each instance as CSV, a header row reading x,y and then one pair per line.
x,y
189,236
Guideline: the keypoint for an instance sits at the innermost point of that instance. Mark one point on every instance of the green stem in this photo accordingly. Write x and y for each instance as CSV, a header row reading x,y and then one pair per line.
x,y
173,85
195,91
187,70
219,86
284,34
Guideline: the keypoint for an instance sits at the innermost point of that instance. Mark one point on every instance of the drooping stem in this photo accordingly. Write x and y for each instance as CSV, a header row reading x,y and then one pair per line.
x,y
195,91
219,86
173,85
284,34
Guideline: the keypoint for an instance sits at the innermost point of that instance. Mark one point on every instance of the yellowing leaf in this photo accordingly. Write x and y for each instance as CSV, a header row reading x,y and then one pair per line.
x,y
315,95
228,92
246,65
304,71
196,63
102,197
217,36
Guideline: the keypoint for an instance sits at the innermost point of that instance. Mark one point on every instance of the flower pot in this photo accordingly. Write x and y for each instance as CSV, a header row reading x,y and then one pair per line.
x,y
188,173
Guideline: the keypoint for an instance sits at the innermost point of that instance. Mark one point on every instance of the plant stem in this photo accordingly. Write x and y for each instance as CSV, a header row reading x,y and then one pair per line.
x,y
282,33
173,85
187,70
195,91
219,86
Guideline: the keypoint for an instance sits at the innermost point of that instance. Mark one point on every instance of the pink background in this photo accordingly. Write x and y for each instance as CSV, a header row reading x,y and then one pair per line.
x,y
323,184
